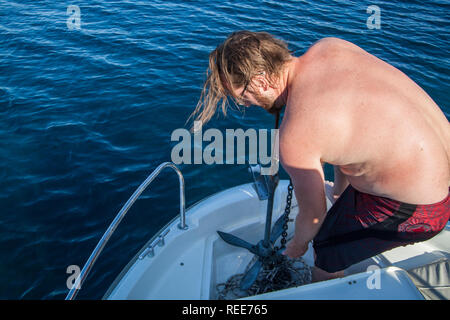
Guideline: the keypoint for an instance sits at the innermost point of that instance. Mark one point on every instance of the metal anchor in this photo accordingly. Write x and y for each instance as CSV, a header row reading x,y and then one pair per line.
x,y
264,248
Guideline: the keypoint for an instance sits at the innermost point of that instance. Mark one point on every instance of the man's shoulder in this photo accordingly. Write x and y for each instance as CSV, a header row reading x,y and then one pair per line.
x,y
330,43
331,51
328,40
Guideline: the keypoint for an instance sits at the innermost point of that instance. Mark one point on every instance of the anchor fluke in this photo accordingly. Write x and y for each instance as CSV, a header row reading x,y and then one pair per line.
x,y
238,242
251,275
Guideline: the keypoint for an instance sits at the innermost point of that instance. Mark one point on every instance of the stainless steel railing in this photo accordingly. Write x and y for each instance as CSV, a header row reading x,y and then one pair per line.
x,y
112,227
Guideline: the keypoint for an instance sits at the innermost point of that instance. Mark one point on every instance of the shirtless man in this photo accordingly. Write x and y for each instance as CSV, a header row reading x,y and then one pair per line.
x,y
387,139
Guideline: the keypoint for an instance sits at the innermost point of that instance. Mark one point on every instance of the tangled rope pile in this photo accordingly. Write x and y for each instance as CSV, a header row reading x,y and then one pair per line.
x,y
289,273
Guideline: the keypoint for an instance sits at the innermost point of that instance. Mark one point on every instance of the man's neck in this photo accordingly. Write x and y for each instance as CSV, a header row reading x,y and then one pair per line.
x,y
286,81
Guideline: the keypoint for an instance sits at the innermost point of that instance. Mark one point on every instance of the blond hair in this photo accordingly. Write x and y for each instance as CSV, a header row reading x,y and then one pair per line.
x,y
234,63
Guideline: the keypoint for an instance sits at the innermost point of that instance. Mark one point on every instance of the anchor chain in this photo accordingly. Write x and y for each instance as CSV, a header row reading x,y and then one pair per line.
x,y
291,273
286,213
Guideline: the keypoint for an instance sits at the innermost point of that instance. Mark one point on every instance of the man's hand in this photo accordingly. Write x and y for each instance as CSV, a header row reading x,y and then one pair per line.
x,y
329,191
295,250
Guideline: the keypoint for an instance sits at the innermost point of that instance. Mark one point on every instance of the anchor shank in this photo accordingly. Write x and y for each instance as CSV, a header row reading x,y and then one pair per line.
x,y
273,182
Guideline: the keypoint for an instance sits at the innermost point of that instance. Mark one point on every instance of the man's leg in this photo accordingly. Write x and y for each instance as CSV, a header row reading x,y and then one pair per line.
x,y
321,275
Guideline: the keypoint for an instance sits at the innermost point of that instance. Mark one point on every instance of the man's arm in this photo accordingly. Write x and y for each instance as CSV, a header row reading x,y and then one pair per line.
x,y
308,180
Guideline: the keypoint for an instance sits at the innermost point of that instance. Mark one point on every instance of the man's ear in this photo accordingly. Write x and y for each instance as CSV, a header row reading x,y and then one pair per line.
x,y
261,82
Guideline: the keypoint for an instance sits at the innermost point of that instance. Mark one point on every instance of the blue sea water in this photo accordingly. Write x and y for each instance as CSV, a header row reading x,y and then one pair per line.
x,y
86,114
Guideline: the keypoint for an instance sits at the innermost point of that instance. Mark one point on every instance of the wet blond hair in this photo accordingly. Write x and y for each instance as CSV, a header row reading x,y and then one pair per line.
x,y
233,64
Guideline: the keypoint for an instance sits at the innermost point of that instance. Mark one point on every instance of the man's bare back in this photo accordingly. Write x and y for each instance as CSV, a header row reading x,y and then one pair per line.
x,y
356,112
382,132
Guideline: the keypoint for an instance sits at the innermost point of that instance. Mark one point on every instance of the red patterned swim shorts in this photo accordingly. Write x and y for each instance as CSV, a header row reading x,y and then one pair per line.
x,y
359,226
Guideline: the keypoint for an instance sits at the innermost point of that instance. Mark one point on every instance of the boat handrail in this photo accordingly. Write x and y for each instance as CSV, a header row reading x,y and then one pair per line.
x,y
112,227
